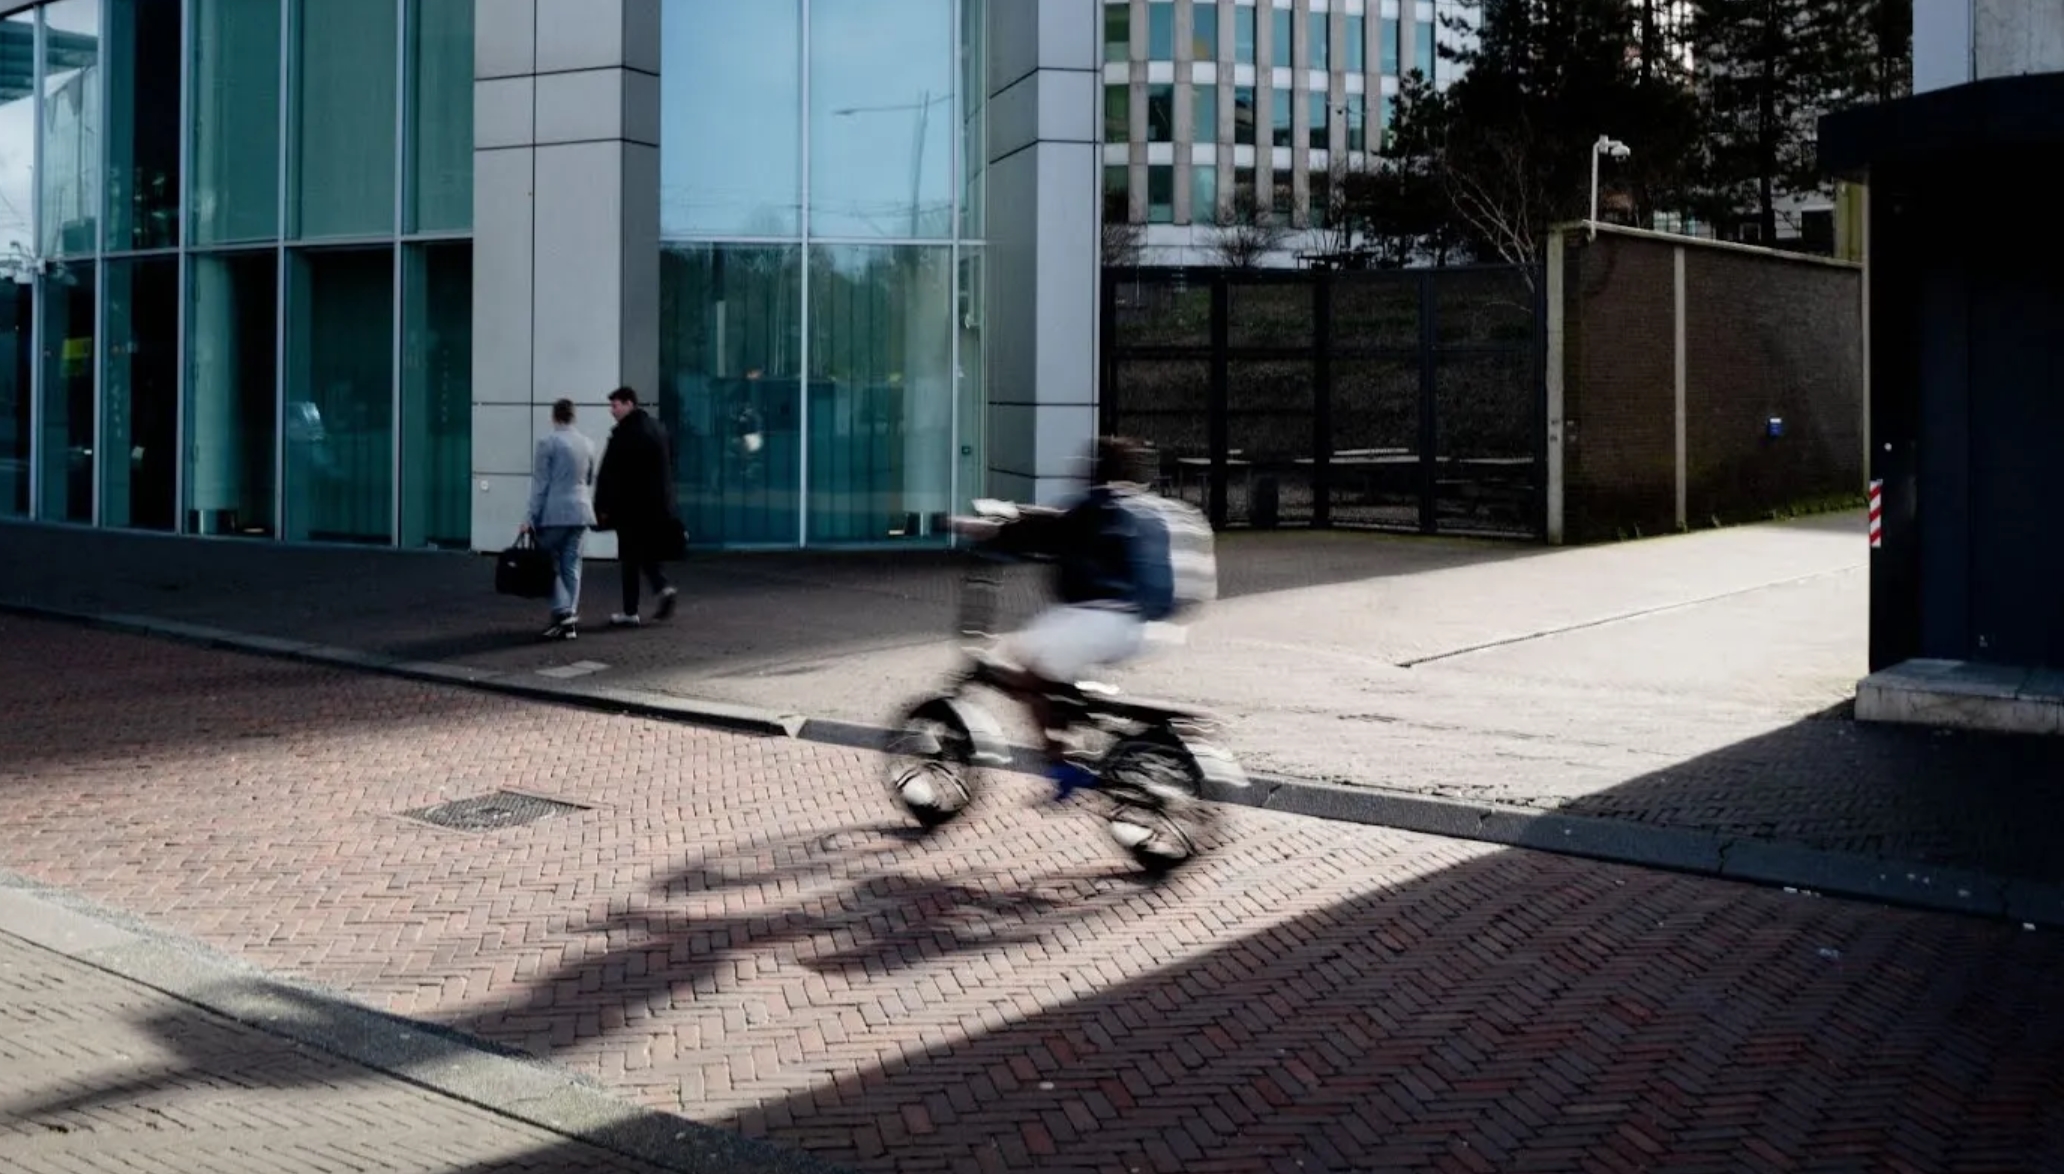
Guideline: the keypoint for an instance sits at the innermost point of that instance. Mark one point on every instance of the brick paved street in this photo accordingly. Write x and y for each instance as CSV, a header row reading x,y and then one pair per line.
x,y
738,929
98,1074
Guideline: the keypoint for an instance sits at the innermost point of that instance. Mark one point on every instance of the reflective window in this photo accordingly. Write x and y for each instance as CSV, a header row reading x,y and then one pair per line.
x,y
1321,188
71,128
1161,113
1204,30
1319,41
881,117
1117,31
65,447
1203,194
1117,113
140,395
1316,122
342,153
235,95
1357,122
1279,32
1357,44
1243,34
437,394
1117,192
1279,117
739,174
1387,46
440,103
142,52
17,239
231,411
1244,196
1423,57
1204,114
1161,30
880,392
731,355
339,426
1243,115
1160,194
974,66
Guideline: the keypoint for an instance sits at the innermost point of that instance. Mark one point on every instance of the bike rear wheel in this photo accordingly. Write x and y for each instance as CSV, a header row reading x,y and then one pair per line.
x,y
1157,810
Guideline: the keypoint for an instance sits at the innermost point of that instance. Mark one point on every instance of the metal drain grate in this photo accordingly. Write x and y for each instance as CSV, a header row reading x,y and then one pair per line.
x,y
491,812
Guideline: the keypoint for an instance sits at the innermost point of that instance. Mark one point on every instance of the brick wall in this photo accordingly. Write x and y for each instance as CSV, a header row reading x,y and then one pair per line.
x,y
1765,336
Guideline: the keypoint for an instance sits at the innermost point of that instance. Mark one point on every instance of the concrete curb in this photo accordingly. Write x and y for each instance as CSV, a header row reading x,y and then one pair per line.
x,y
501,1081
1701,853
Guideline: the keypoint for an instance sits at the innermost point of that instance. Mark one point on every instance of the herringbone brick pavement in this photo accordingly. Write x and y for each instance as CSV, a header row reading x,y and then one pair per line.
x,y
99,1074
738,930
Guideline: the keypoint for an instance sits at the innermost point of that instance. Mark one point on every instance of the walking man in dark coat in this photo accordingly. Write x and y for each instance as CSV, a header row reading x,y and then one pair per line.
x,y
634,496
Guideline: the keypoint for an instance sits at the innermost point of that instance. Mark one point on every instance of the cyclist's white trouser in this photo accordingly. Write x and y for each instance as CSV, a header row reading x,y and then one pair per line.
x,y
1063,643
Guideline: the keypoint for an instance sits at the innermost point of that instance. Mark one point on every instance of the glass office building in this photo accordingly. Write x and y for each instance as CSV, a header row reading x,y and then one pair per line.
x,y
312,270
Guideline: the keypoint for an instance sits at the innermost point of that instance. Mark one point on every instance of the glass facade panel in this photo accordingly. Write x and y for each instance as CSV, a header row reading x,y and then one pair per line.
x,y
1117,192
881,392
140,395
1243,35
234,193
1387,46
1204,30
739,174
1423,57
232,415
881,118
1118,31
1161,30
1203,194
440,105
1117,113
1357,44
1357,122
1243,115
1161,113
339,426
437,394
970,379
731,364
142,51
1280,42
1279,118
1315,122
1204,115
71,128
66,449
342,153
1160,194
974,71
1318,44
17,237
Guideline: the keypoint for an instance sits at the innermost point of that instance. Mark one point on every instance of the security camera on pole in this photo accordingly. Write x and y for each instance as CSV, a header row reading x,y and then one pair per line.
x,y
1606,145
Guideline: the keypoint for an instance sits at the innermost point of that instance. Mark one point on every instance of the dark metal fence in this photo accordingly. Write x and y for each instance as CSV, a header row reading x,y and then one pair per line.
x,y
1406,399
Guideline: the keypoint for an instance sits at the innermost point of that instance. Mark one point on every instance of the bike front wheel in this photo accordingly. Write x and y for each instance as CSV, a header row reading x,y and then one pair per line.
x,y
931,765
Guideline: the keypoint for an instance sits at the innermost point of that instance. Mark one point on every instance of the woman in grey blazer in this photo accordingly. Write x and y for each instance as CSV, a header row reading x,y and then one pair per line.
x,y
562,507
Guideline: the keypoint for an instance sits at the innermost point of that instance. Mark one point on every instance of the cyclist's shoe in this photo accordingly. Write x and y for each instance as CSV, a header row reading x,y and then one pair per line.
x,y
1068,778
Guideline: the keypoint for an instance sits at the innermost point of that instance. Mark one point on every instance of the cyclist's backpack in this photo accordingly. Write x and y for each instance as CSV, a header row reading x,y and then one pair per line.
x,y
1174,558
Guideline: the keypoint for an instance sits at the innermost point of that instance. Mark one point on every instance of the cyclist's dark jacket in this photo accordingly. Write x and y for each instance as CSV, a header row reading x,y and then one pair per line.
x,y
1090,543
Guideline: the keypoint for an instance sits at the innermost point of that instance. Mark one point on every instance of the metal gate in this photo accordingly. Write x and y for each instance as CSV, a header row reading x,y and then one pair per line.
x,y
1401,399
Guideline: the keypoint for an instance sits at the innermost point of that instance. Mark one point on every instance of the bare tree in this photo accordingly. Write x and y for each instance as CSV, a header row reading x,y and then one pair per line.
x,y
1246,232
1122,237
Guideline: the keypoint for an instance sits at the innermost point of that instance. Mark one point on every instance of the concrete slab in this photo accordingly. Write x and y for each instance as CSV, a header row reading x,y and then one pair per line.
x,y
1948,694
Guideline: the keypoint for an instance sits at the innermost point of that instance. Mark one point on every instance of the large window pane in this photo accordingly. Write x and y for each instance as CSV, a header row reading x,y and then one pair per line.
x,y
1203,194
1315,121
71,127
1204,115
1117,31
343,147
1118,113
1161,30
1160,194
972,380
1243,115
440,84
1279,32
236,94
1318,44
232,414
437,394
1161,112
1243,35
1387,46
1279,117
730,370
140,395
67,377
881,392
339,426
143,124
974,62
881,116
1357,44
730,122
1204,30
17,237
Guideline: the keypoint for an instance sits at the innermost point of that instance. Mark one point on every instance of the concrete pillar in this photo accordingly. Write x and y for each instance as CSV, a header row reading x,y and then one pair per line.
x,y
565,230
1043,265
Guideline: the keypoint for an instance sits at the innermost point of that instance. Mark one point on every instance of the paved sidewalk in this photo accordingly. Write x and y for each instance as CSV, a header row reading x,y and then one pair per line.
x,y
738,930
1676,701
100,1070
